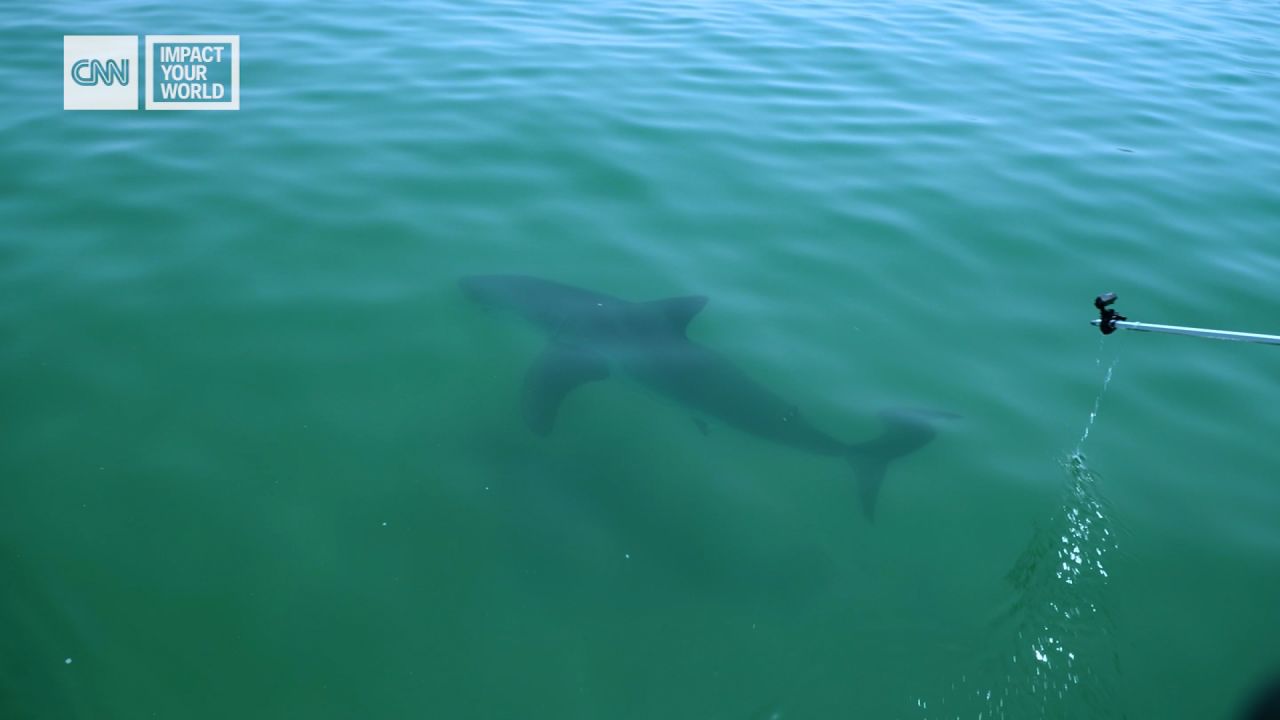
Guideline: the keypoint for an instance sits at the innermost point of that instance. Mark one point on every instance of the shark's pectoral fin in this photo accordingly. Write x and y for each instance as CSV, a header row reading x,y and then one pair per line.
x,y
557,371
678,310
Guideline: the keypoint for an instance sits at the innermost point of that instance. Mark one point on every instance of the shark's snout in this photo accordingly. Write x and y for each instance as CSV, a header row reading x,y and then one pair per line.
x,y
485,290
471,286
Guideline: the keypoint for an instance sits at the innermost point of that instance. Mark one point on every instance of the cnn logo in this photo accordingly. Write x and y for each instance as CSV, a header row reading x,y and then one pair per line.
x,y
96,72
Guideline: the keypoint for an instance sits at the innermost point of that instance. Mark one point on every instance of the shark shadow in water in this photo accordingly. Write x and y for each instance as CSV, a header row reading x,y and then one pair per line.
x,y
591,334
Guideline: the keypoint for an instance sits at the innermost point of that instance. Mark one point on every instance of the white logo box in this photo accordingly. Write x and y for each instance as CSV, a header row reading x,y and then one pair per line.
x,y
87,55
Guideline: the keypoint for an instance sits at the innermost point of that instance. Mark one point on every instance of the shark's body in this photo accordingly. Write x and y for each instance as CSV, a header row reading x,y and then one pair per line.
x,y
590,334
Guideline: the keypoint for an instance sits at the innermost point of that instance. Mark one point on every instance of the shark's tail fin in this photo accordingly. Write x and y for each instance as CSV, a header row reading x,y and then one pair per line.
x,y
905,430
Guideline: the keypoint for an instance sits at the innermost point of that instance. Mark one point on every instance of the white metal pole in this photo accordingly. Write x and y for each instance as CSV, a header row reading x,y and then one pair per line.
x,y
1194,332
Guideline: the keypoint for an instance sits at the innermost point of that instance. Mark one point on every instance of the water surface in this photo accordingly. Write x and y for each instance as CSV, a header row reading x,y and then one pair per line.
x,y
262,459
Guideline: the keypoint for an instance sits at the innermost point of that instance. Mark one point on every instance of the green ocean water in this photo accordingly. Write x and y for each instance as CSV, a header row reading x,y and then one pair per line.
x,y
260,458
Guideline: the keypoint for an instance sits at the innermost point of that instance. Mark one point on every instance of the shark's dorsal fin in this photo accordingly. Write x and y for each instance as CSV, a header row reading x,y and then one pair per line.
x,y
678,310
557,371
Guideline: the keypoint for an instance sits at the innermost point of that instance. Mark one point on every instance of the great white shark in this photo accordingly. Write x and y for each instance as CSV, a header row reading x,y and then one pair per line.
x,y
591,334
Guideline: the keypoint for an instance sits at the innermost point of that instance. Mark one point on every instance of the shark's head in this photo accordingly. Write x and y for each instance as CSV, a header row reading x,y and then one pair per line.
x,y
551,305
505,292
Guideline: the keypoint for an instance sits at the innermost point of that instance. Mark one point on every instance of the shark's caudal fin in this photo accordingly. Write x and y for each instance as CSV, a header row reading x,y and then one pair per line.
x,y
905,430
